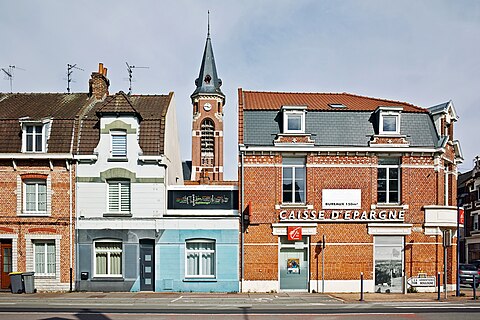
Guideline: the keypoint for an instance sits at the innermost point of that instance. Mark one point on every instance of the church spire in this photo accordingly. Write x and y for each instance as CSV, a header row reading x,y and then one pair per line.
x,y
208,81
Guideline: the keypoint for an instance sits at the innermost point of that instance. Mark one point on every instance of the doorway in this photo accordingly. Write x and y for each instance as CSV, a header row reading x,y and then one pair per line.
x,y
6,259
147,265
388,264
294,264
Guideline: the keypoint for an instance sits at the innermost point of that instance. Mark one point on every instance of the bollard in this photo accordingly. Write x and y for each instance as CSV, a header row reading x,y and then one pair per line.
x,y
361,286
438,286
474,287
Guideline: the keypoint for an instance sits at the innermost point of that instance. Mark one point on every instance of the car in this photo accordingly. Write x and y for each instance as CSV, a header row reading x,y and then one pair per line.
x,y
466,273
476,263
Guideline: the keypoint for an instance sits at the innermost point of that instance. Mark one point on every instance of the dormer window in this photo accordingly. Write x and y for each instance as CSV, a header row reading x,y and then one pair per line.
x,y
294,119
389,120
119,143
34,135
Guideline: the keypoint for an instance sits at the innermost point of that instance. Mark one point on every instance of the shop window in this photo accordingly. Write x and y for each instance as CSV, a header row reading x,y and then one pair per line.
x,y
388,180
293,180
294,119
119,196
35,196
119,143
44,258
200,258
108,258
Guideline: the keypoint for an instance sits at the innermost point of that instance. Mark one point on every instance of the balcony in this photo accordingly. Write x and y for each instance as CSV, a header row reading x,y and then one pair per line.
x,y
440,217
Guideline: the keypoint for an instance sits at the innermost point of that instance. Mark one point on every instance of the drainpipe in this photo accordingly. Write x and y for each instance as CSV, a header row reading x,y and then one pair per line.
x,y
242,201
69,167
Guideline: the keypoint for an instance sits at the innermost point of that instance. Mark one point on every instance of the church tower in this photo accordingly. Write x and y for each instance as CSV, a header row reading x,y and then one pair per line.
x,y
207,125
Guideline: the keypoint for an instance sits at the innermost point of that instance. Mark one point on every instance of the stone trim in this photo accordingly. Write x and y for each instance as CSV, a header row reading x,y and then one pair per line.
x,y
118,125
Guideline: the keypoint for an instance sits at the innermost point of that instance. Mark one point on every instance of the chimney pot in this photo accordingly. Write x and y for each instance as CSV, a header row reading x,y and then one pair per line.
x,y
100,68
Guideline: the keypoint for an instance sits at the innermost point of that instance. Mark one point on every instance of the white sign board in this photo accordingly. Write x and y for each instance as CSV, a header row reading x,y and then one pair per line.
x,y
421,281
341,199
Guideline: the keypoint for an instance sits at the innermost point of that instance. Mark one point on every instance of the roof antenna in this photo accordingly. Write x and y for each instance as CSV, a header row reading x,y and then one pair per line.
x,y
130,71
9,74
70,68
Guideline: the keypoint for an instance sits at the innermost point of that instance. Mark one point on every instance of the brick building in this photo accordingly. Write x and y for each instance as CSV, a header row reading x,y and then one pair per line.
x,y
335,185
37,186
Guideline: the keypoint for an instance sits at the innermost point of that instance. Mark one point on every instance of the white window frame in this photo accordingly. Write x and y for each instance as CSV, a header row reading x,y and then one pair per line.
x,y
45,243
293,169
118,151
119,183
294,111
34,134
388,167
390,111
35,182
200,252
109,252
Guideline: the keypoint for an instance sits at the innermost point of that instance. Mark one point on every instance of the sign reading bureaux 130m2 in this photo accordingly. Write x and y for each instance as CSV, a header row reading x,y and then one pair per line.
x,y
341,199
203,199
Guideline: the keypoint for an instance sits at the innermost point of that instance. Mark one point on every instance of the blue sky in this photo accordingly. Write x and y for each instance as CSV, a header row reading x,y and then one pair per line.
x,y
422,52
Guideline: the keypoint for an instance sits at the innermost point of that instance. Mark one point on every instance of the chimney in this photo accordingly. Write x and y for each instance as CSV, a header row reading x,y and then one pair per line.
x,y
99,83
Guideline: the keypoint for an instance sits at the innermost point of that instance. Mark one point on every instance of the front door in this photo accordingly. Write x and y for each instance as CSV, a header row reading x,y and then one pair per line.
x,y
147,265
293,264
6,258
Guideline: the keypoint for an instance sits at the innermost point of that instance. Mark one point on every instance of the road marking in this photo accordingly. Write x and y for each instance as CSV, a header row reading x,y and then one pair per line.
x,y
175,300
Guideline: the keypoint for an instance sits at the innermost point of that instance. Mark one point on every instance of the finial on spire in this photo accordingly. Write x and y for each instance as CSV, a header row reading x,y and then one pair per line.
x,y
208,27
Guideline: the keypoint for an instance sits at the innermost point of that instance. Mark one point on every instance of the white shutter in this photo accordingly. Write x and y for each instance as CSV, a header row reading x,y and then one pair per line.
x,y
119,145
113,199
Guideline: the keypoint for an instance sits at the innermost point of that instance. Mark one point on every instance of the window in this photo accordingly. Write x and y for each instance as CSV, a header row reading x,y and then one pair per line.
x,y
200,258
119,196
34,138
44,257
293,180
293,119
475,222
108,258
119,144
35,196
388,180
389,120
207,142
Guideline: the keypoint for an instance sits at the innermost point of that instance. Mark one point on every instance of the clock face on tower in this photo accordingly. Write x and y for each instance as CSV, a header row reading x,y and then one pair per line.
x,y
207,106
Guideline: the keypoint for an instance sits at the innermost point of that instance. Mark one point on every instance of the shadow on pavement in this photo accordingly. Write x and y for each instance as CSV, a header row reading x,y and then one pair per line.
x,y
85,314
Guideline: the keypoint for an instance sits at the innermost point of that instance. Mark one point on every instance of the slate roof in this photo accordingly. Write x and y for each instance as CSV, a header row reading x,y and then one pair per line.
x,y
351,126
60,107
208,80
151,109
258,100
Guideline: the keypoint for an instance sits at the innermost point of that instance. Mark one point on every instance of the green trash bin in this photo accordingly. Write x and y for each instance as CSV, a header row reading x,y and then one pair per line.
x,y
29,282
16,282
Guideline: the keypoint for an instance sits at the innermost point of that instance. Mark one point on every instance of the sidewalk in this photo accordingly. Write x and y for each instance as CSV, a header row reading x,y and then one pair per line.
x,y
399,297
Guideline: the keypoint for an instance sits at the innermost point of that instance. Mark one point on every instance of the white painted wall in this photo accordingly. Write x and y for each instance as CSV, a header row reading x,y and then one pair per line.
x,y
172,146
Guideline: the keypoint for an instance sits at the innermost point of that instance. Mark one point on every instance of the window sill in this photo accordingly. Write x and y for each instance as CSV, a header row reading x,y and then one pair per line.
x,y
117,215
389,206
200,280
44,276
109,279
34,214
294,206
117,159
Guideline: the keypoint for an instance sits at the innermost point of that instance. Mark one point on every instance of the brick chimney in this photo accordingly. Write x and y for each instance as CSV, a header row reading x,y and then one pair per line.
x,y
99,83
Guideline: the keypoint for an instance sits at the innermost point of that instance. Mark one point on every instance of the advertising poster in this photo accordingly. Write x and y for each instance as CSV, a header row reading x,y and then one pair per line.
x,y
293,265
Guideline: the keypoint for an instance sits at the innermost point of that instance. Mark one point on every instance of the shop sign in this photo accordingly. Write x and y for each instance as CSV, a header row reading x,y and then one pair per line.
x,y
203,199
341,198
342,215
421,281
461,216
294,233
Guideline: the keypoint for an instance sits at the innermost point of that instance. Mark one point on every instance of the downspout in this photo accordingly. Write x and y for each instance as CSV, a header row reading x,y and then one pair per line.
x,y
242,201
69,165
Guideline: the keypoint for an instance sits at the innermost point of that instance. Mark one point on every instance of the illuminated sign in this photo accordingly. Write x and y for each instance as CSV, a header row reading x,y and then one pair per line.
x,y
294,233
203,199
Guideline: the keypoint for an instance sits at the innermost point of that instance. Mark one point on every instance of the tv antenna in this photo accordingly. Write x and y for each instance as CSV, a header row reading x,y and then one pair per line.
x,y
70,68
9,74
130,71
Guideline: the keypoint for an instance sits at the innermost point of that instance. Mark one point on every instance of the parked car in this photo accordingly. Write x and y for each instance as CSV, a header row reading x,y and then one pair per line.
x,y
466,273
476,263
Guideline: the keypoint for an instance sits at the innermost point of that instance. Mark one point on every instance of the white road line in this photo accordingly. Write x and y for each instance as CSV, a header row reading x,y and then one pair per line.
x,y
174,300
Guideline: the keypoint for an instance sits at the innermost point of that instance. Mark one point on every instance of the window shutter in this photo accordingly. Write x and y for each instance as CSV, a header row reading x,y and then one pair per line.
x,y
113,199
119,145
125,196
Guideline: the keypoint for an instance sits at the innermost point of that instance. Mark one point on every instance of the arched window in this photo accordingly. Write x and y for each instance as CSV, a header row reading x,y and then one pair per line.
x,y
207,142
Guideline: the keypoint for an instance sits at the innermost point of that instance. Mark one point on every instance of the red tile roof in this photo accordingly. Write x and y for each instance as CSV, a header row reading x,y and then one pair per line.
x,y
258,100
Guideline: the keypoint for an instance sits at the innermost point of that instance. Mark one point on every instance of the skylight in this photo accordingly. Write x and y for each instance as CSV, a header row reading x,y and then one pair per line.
x,y
337,105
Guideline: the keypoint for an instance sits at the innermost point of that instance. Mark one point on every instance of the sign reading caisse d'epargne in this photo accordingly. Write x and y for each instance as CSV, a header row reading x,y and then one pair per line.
x,y
342,215
202,199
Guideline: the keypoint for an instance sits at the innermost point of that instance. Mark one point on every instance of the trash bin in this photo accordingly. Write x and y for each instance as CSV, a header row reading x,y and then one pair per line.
x,y
29,282
16,282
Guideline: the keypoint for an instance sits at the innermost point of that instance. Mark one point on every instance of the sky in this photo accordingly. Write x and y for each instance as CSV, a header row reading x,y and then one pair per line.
x,y
424,52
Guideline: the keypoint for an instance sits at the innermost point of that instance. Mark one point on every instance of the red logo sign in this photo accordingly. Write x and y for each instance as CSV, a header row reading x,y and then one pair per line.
x,y
461,216
294,233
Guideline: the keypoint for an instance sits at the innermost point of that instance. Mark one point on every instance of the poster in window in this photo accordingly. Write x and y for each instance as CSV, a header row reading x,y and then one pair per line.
x,y
293,265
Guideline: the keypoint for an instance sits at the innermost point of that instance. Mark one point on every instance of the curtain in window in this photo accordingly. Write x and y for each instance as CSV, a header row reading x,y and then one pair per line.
x,y
101,263
200,258
119,196
30,197
40,257
42,197
119,145
50,258
108,258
